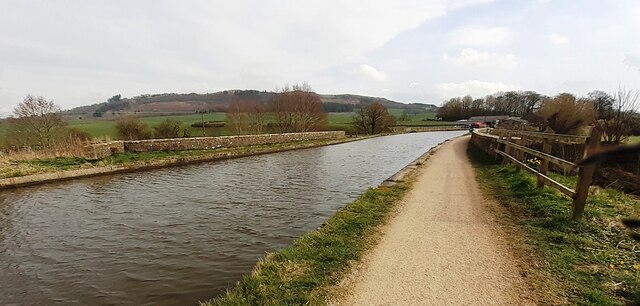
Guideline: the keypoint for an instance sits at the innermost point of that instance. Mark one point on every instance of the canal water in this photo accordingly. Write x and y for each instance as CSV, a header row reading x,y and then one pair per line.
x,y
180,235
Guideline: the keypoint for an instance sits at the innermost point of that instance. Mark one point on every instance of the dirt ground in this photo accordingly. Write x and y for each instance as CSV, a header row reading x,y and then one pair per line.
x,y
442,247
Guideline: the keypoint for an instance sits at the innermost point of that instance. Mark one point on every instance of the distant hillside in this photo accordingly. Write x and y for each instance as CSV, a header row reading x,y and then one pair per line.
x,y
366,100
219,101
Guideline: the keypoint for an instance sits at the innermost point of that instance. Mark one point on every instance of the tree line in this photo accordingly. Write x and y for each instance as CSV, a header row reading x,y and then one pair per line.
x,y
616,115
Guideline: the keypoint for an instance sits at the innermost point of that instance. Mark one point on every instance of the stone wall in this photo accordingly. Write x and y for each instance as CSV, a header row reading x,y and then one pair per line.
x,y
414,129
209,143
102,150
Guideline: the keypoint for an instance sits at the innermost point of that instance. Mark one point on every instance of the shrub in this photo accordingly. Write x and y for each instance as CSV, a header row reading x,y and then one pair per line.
x,y
168,128
564,114
131,128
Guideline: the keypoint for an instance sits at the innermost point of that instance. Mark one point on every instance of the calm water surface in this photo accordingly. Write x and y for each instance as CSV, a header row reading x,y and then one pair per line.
x,y
179,235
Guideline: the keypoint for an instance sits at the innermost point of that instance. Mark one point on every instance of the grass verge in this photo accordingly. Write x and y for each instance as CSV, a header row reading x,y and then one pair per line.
x,y
594,259
300,273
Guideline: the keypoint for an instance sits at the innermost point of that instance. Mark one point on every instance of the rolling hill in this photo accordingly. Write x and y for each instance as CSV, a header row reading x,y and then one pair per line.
x,y
219,101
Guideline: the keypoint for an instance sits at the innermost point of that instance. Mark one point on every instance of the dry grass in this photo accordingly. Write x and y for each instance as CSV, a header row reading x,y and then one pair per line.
x,y
73,149
29,154
15,163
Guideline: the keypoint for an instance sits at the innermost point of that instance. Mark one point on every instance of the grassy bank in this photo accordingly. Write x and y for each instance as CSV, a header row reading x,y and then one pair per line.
x,y
14,168
300,273
594,260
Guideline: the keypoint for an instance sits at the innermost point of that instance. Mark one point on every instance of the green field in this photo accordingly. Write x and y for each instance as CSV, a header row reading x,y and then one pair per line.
x,y
97,127
101,127
421,119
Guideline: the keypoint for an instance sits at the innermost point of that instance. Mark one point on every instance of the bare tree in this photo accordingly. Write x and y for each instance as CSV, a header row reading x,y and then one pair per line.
x,y
246,117
617,124
531,102
37,121
602,103
373,119
298,109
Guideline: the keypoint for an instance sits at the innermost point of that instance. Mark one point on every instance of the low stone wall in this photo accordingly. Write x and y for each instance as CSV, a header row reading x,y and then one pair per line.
x,y
209,143
102,150
415,129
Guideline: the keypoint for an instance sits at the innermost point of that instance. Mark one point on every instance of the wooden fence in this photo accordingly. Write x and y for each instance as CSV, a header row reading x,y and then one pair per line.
x,y
514,147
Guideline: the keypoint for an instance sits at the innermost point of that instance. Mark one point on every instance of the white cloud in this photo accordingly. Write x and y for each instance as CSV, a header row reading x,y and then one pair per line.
x,y
474,88
470,57
463,3
413,84
557,39
632,60
373,73
147,46
481,36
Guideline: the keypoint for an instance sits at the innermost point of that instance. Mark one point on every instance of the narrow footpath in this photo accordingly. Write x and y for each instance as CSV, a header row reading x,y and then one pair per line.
x,y
442,247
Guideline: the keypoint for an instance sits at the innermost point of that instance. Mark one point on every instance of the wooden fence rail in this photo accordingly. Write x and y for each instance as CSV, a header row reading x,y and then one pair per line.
x,y
512,147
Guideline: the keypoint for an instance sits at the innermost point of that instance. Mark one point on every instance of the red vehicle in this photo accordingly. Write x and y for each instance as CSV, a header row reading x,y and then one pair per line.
x,y
477,125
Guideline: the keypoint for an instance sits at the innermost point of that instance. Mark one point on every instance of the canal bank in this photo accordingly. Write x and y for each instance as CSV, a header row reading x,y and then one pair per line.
x,y
155,155
309,272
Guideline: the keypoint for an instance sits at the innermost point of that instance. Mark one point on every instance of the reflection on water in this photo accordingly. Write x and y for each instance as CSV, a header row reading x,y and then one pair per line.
x,y
179,235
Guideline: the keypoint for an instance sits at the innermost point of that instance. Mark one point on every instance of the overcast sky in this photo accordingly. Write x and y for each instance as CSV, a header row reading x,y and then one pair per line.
x,y
82,52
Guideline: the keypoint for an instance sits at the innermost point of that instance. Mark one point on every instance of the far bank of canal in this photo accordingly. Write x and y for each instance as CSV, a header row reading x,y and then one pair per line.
x,y
180,235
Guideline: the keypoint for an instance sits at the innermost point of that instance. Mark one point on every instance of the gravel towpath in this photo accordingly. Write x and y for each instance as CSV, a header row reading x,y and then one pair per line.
x,y
442,247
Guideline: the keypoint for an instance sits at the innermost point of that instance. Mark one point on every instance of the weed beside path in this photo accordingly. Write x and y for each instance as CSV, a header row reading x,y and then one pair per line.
x,y
594,259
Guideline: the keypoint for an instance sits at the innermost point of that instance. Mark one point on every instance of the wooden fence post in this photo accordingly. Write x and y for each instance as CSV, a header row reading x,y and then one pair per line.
x,y
585,174
507,148
493,146
519,154
544,164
